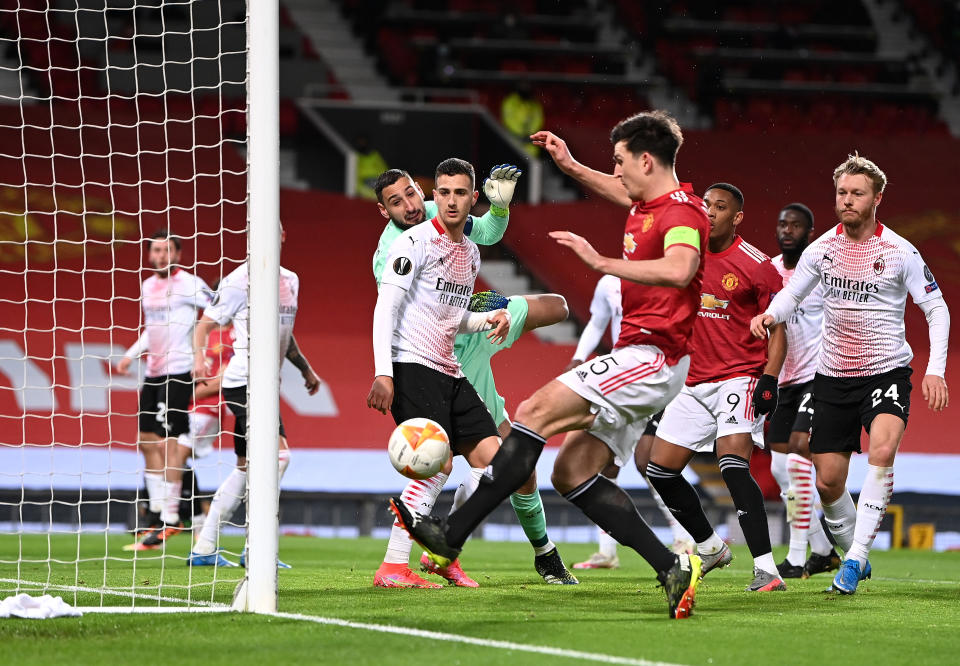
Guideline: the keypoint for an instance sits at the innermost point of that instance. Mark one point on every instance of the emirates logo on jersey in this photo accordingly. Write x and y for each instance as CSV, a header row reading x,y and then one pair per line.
x,y
729,281
647,223
629,245
879,265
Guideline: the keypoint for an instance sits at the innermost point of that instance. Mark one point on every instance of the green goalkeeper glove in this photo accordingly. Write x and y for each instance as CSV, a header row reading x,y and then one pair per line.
x,y
499,187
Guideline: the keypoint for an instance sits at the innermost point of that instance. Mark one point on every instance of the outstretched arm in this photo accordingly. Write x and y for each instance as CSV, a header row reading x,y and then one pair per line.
x,y
606,185
675,269
310,379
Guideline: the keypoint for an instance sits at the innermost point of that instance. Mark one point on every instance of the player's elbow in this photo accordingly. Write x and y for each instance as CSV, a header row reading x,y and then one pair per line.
x,y
680,276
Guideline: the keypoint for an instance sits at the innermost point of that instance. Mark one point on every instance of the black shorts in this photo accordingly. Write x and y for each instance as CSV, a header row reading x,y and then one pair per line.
x,y
236,399
419,391
164,405
653,424
794,413
843,405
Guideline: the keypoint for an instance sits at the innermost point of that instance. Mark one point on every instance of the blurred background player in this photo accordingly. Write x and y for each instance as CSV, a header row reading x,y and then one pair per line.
x,y
863,376
652,350
231,306
206,414
170,299
402,199
606,310
732,384
789,433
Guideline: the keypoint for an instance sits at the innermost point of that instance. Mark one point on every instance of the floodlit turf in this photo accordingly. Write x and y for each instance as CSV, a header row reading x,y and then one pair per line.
x,y
909,613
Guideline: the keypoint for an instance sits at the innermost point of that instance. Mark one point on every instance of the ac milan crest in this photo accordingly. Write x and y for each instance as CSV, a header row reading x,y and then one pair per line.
x,y
879,265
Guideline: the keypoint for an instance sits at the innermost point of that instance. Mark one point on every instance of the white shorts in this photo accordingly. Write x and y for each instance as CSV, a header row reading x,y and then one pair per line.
x,y
706,412
625,388
204,430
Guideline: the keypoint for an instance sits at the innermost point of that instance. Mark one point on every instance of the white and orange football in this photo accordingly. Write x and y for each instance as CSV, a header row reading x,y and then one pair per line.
x,y
419,448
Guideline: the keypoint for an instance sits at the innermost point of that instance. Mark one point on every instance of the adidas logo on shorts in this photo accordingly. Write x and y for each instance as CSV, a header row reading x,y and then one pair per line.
x,y
582,374
732,419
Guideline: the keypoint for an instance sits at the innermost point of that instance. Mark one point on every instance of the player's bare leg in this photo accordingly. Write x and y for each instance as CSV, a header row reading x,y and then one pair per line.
x,y
886,432
682,541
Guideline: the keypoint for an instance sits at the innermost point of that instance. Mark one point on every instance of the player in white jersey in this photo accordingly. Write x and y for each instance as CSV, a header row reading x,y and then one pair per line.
x,y
863,376
170,299
231,306
606,309
422,304
789,432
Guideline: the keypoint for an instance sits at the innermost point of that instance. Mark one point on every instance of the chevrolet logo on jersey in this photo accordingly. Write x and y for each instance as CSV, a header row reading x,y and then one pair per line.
x,y
629,245
711,302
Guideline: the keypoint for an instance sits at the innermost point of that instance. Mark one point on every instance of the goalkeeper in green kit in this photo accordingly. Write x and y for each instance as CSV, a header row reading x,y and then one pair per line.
x,y
401,202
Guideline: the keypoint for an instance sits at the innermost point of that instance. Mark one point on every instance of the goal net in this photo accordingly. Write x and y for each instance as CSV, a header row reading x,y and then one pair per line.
x,y
118,119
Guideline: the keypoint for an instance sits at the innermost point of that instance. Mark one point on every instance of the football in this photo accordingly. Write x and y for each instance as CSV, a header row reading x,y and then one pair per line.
x,y
419,448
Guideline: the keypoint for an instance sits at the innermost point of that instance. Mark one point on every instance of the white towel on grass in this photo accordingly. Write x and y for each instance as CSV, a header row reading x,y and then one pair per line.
x,y
36,608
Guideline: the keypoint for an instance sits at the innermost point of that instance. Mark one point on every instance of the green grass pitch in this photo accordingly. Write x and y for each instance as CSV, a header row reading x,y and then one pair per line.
x,y
909,612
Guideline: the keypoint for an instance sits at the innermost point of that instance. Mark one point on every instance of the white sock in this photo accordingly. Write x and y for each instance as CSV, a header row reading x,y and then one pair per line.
x,y
171,502
841,517
872,505
225,502
712,545
154,483
819,543
766,563
778,468
607,544
419,496
545,548
800,475
679,533
467,488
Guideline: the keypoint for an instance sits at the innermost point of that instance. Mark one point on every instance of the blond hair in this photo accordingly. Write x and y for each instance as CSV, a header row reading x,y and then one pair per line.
x,y
857,165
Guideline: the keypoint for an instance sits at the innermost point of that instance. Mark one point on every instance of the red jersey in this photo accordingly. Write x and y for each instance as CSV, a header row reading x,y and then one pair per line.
x,y
663,316
738,284
219,352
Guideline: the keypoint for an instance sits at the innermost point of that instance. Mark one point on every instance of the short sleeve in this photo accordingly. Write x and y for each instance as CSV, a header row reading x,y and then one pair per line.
x,y
682,227
918,278
518,309
202,294
228,301
404,261
767,284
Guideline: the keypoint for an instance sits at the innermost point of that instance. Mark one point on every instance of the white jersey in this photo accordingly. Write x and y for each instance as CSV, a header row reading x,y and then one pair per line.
x,y
865,288
438,276
231,304
606,309
170,307
804,331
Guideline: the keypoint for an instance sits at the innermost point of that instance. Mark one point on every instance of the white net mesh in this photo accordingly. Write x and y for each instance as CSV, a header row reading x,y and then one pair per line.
x,y
117,118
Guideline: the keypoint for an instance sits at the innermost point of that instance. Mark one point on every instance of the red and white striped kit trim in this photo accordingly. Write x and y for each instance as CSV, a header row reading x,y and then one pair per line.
x,y
632,375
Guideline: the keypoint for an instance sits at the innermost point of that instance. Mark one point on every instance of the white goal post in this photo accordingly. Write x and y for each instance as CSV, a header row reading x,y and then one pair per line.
x,y
119,118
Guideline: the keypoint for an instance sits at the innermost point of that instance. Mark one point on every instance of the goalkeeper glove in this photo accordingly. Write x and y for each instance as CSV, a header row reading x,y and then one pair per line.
x,y
499,187
765,395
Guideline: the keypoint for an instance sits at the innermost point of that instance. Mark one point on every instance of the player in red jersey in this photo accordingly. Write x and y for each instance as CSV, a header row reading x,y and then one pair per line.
x,y
664,240
732,384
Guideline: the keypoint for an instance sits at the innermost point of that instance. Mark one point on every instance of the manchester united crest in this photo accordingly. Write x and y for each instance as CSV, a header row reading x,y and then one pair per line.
x,y
879,265
729,281
629,245
647,223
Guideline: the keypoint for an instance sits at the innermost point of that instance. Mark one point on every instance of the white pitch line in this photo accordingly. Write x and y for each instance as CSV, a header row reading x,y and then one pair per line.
x,y
471,640
119,593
